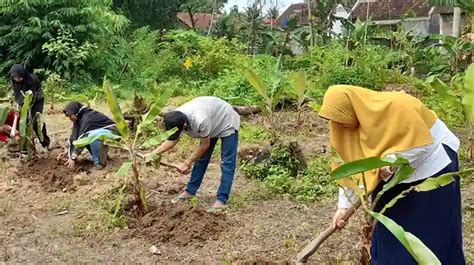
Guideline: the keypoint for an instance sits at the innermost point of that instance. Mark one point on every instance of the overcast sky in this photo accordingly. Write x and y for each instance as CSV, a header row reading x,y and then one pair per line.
x,y
282,4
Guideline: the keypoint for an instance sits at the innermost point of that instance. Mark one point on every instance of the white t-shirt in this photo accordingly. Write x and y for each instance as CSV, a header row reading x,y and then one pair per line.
x,y
426,160
210,117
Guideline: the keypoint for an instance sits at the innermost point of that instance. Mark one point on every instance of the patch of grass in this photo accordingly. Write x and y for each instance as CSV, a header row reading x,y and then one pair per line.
x,y
281,173
6,207
259,192
451,114
253,133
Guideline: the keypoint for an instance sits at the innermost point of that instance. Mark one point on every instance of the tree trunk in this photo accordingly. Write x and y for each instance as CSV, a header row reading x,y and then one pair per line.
x,y
310,21
212,18
457,22
137,189
472,22
52,98
191,18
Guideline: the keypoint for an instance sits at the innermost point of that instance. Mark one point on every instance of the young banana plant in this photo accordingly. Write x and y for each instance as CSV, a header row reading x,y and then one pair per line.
x,y
353,172
132,142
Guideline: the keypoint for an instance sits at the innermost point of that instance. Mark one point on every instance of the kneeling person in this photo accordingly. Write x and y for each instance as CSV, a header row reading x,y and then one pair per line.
x,y
87,122
208,119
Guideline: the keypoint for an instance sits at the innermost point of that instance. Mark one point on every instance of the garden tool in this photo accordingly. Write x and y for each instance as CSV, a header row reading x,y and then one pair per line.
x,y
14,141
313,246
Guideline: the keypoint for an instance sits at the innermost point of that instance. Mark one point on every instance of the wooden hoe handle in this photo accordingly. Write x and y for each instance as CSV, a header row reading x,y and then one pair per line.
x,y
313,246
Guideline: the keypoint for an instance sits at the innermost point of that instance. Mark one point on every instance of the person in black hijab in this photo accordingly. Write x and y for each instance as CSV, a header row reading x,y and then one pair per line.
x,y
87,122
23,81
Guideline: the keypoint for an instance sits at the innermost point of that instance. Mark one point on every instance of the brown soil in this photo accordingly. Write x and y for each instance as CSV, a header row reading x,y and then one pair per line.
x,y
41,227
52,175
179,224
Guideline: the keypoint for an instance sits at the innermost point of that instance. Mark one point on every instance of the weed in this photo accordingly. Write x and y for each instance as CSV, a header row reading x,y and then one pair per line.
x,y
253,133
282,174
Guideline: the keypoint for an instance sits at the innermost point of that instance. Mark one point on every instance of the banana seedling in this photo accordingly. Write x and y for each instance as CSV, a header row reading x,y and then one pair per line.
x,y
132,142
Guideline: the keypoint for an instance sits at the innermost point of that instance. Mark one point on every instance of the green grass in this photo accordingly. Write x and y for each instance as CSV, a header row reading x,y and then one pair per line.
x,y
253,133
281,174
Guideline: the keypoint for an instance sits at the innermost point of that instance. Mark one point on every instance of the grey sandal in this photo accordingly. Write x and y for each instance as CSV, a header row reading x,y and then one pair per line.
x,y
214,209
181,198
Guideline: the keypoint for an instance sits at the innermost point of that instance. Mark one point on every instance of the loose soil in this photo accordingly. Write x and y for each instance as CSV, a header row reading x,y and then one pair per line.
x,y
179,224
51,174
40,224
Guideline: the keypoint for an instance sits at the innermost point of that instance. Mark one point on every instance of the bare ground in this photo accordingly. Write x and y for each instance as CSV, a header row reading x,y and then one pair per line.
x,y
51,215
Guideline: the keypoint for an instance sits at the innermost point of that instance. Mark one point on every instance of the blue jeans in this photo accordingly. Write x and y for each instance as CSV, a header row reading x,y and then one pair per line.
x,y
95,147
228,164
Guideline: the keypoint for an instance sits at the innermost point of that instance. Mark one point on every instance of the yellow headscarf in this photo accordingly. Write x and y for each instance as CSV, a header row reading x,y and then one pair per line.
x,y
381,123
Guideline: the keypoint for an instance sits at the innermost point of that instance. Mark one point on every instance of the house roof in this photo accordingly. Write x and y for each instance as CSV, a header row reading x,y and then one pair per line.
x,y
292,10
201,20
300,12
390,9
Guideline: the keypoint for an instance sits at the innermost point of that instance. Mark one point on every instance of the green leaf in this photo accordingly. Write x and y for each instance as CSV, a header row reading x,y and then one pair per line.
x,y
115,109
263,108
85,141
468,100
403,173
24,117
159,138
124,170
364,165
40,122
258,84
315,106
277,78
300,83
4,114
469,79
441,88
422,254
440,181
468,104
119,200
155,110
154,160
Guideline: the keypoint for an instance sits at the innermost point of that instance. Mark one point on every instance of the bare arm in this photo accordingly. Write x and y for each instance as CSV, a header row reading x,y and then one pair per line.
x,y
203,147
165,146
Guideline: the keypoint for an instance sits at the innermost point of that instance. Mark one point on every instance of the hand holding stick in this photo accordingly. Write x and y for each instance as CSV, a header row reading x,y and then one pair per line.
x,y
313,246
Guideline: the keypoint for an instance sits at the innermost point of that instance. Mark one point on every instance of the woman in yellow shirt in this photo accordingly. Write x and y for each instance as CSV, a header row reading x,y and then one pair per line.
x,y
365,123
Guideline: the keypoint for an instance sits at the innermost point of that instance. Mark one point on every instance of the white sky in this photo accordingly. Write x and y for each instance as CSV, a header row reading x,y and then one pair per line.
x,y
281,4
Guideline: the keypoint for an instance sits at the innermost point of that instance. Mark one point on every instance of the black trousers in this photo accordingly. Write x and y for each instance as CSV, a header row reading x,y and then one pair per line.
x,y
38,106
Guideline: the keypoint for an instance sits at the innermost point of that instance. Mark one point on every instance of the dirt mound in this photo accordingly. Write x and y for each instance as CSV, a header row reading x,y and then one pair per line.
x,y
179,224
52,174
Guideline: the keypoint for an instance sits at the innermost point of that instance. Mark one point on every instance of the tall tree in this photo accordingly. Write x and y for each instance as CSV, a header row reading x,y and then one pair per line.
x,y
28,24
322,16
226,25
156,14
200,6
252,26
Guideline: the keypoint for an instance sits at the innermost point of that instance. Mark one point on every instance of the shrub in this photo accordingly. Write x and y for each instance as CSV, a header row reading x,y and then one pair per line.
x,y
282,174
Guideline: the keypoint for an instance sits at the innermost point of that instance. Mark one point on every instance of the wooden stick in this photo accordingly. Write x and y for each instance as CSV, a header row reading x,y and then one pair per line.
x,y
313,246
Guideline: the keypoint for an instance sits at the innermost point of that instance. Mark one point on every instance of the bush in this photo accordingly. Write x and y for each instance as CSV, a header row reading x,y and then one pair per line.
x,y
451,114
27,25
282,174
367,66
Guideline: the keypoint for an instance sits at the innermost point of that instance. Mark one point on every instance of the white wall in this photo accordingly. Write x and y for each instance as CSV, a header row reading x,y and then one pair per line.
x,y
417,27
342,13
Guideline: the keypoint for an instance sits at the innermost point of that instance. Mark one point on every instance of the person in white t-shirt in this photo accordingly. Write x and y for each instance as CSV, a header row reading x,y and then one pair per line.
x,y
208,119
